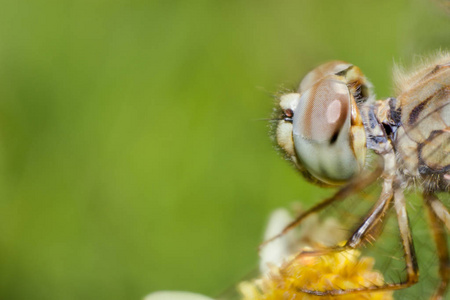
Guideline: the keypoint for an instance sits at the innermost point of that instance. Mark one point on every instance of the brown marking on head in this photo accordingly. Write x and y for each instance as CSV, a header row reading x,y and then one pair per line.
x,y
326,111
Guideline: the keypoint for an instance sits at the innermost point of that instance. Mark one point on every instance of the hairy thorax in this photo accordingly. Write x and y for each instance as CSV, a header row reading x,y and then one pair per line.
x,y
417,125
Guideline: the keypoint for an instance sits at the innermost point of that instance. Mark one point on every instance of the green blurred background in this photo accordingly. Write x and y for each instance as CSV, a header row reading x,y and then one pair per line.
x,y
131,155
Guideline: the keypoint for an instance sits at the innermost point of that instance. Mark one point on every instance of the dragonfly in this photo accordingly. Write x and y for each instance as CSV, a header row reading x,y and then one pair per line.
x,y
335,132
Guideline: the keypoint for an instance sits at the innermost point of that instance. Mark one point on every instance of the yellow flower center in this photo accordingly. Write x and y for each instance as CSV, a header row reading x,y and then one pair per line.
x,y
334,271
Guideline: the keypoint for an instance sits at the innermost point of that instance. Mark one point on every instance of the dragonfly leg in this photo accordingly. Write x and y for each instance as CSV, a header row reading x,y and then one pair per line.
x,y
412,268
371,225
348,190
439,209
368,229
405,234
440,238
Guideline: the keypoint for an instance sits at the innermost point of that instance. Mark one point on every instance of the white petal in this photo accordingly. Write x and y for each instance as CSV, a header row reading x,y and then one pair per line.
x,y
275,252
175,296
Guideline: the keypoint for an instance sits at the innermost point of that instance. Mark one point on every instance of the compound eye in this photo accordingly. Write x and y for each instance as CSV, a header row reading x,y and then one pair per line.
x,y
322,71
321,132
326,108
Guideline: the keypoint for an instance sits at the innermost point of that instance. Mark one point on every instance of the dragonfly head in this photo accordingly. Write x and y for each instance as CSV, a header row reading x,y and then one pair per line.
x,y
321,130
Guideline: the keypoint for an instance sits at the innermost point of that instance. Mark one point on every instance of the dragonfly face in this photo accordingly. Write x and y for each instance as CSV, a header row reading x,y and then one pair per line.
x,y
328,127
321,129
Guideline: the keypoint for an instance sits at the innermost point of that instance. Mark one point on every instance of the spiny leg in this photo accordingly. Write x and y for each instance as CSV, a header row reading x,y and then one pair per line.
x,y
412,268
371,224
348,190
373,221
439,209
440,238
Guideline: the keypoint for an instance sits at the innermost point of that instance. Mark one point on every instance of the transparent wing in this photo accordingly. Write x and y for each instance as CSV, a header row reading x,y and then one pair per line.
x,y
330,227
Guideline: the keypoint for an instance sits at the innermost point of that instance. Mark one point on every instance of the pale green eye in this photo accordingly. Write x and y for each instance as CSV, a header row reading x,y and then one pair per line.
x,y
321,132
